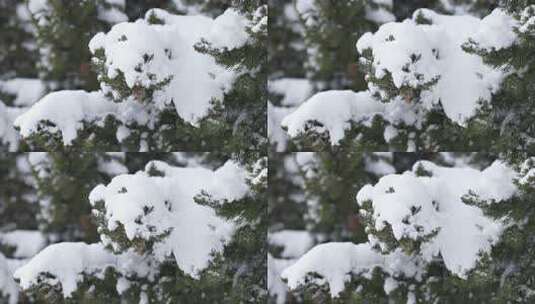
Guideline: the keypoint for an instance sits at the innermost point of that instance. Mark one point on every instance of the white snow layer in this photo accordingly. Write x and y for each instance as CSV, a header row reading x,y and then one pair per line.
x,y
336,262
147,55
66,264
417,206
414,55
414,206
66,110
8,287
25,91
463,78
26,242
294,242
334,110
293,92
149,206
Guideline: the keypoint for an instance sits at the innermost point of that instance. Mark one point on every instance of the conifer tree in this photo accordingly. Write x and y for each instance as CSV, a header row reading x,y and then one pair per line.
x,y
64,180
505,118
241,116
17,54
328,28
286,50
164,96
195,229
18,57
63,30
408,255
414,100
312,201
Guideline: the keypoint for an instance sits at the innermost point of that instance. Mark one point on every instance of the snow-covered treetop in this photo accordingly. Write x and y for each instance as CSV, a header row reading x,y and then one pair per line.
x,y
144,220
413,55
413,220
144,68
159,204
143,55
420,207
412,68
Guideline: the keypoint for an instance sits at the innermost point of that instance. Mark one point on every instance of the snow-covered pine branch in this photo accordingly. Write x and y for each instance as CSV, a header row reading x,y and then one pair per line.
x,y
423,84
148,222
424,218
151,79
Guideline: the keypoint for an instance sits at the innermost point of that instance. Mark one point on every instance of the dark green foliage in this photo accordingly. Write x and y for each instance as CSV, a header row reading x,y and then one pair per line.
x,y
64,181
286,51
507,119
243,118
237,275
17,59
331,34
63,31
330,31
17,206
242,268
509,270
287,205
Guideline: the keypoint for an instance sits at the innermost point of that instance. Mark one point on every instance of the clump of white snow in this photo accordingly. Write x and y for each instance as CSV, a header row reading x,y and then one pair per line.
x,y
426,204
154,206
293,91
334,110
8,287
417,54
26,242
159,57
336,262
151,54
496,31
428,70
66,110
66,262
418,206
